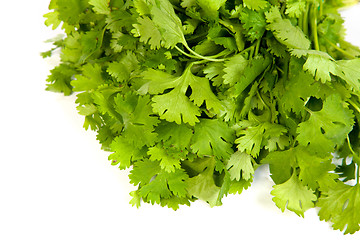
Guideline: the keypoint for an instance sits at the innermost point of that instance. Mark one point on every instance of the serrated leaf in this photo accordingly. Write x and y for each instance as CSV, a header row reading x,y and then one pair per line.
x,y
349,70
101,6
87,109
203,186
174,135
341,205
148,32
294,196
240,166
169,161
286,33
174,105
124,153
255,4
89,80
212,138
327,127
254,22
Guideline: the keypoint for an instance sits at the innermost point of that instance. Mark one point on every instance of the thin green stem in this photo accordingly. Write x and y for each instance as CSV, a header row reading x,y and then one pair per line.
x,y
306,20
247,49
252,50
222,53
301,21
200,62
185,53
348,55
308,110
349,145
357,174
321,8
279,69
314,28
203,57
264,103
354,156
257,46
198,56
354,105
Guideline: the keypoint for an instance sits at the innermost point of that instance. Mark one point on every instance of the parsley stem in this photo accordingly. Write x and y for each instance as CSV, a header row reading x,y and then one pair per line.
x,y
257,46
345,53
185,53
314,28
222,53
204,57
354,105
349,145
306,20
199,62
301,21
279,69
196,55
321,8
264,103
308,110
354,156
357,174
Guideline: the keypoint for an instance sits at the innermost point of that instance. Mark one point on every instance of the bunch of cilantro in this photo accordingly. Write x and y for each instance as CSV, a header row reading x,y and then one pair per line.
x,y
195,95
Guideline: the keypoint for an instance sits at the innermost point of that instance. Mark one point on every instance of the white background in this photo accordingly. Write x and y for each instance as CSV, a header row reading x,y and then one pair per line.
x,y
56,182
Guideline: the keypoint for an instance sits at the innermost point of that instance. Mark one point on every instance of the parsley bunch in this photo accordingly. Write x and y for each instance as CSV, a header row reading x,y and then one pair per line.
x,y
195,95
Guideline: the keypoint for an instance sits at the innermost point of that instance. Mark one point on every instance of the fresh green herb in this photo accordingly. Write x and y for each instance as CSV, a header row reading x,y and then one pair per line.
x,y
195,95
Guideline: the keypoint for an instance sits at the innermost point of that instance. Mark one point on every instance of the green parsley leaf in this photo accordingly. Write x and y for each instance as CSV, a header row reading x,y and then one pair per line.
x,y
175,105
101,6
283,30
240,166
255,4
293,196
212,138
169,160
341,205
327,127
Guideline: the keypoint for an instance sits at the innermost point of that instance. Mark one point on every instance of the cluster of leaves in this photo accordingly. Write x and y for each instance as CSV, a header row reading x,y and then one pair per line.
x,y
194,95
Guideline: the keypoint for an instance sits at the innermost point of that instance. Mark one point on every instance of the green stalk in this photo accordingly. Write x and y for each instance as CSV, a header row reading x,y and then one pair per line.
x,y
185,53
357,108
196,55
257,46
313,16
354,155
357,174
354,105
199,62
301,21
349,145
321,8
345,53
203,57
264,103
305,22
